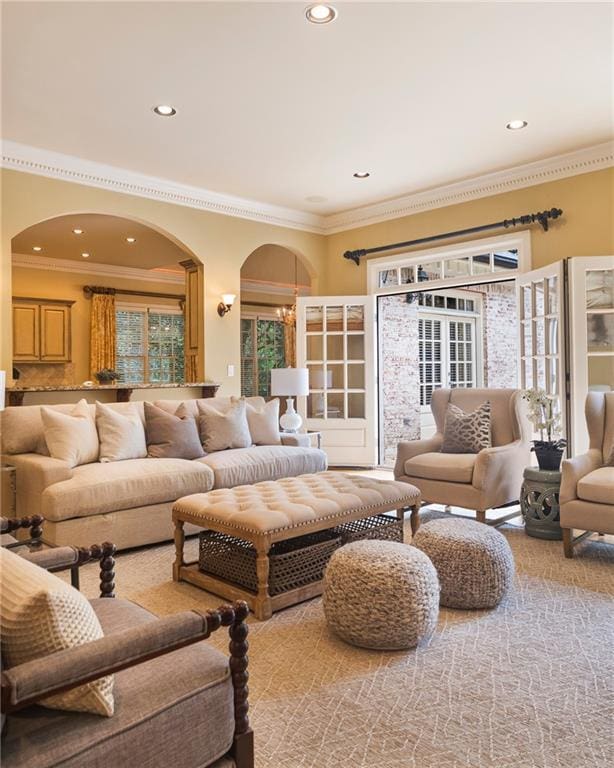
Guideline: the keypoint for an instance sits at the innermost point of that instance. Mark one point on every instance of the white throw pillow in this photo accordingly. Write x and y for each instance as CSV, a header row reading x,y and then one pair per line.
x,y
71,437
264,423
41,615
219,431
122,435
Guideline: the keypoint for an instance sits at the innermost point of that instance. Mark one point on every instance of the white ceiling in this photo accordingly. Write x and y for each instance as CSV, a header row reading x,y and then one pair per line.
x,y
277,110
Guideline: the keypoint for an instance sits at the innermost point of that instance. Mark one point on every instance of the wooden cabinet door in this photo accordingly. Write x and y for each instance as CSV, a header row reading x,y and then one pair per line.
x,y
55,343
26,332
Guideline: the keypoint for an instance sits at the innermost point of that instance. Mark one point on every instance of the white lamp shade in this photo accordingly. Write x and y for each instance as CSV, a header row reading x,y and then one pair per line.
x,y
290,382
229,299
2,386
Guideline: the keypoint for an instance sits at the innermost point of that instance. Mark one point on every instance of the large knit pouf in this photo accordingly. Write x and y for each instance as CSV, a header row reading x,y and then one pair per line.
x,y
381,594
474,562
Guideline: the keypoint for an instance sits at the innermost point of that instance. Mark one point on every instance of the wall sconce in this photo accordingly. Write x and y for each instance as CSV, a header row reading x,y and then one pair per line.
x,y
225,305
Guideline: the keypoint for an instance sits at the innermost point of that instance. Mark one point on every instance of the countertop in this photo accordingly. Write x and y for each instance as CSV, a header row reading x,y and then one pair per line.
x,y
120,385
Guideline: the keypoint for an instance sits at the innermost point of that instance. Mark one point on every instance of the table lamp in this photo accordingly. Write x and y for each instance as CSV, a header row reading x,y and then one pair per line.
x,y
290,383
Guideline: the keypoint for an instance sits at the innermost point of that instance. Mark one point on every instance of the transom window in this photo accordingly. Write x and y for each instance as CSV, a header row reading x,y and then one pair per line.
x,y
149,345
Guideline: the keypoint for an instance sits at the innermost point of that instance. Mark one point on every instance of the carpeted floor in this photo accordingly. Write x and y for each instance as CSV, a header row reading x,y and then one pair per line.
x,y
528,685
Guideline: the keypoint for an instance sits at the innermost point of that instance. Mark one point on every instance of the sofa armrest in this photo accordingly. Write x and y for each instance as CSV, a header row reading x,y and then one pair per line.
x,y
409,449
573,470
34,473
27,683
496,465
297,439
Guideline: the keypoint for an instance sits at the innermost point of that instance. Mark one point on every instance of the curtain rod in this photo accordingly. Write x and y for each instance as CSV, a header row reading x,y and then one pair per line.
x,y
541,217
90,290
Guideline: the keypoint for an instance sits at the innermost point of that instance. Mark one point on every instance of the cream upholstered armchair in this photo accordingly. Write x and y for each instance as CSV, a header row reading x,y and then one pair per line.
x,y
587,484
486,480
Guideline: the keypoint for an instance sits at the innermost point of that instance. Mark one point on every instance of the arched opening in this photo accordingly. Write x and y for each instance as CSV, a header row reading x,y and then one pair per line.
x,y
272,277
63,266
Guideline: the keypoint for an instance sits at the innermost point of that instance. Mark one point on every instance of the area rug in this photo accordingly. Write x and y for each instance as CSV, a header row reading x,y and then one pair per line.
x,y
528,685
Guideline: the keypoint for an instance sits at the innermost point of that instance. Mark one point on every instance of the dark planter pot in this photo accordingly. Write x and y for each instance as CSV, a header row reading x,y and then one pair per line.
x,y
548,455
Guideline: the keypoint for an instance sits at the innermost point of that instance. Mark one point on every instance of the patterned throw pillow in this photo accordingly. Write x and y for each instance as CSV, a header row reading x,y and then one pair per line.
x,y
41,615
466,432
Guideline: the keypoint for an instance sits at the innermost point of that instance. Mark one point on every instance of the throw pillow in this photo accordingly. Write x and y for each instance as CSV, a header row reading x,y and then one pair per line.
x,y
40,615
466,432
171,435
264,423
219,431
71,437
122,435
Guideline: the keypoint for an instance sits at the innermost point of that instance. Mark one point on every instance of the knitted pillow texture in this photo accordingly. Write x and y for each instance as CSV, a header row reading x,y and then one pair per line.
x,y
466,432
40,615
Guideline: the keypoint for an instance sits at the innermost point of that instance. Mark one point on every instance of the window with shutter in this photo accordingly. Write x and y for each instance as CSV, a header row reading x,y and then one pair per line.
x,y
262,349
149,345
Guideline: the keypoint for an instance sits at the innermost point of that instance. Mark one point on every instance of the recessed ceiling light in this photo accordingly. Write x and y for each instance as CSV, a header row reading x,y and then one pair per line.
x,y
85,255
516,125
165,110
320,13
78,231
131,239
37,248
362,175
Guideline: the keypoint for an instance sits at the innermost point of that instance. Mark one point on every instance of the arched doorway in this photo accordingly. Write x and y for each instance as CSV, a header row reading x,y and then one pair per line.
x,y
272,277
62,266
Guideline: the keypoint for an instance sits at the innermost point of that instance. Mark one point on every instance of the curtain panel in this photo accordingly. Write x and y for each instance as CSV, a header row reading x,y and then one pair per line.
x,y
102,333
290,345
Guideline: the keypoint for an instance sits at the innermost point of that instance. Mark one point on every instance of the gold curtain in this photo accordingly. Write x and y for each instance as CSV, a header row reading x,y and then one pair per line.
x,y
290,345
102,333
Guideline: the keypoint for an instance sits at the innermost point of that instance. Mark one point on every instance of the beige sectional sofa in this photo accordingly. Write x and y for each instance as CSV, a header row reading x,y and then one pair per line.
x,y
129,502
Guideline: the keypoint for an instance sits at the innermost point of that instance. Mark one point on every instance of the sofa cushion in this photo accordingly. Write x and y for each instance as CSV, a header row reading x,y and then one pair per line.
x,y
122,435
173,710
465,432
42,615
453,467
171,435
264,423
71,437
95,489
598,486
244,466
219,431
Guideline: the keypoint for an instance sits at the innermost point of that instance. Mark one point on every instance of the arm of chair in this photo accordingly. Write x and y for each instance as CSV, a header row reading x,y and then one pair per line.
x,y
573,470
409,449
494,466
63,558
27,683
34,523
34,473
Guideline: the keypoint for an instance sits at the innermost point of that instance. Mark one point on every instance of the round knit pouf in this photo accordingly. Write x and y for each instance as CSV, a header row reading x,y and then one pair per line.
x,y
381,594
474,562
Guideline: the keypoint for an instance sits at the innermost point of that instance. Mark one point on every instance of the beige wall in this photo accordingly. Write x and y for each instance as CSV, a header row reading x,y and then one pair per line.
x,y
585,229
222,243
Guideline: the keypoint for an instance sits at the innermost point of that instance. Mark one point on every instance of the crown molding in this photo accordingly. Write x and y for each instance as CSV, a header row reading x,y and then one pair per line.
x,y
91,268
549,169
21,157
43,162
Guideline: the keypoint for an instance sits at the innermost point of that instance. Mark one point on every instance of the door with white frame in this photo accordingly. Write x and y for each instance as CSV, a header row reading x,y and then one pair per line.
x,y
541,343
591,280
335,341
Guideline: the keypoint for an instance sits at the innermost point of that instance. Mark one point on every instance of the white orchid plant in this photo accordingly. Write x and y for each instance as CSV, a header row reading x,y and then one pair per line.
x,y
545,415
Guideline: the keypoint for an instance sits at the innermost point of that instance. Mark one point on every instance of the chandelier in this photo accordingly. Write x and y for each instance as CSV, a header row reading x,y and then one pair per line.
x,y
287,315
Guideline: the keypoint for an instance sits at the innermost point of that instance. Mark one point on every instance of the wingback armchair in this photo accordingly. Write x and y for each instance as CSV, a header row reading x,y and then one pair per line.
x,y
587,483
480,481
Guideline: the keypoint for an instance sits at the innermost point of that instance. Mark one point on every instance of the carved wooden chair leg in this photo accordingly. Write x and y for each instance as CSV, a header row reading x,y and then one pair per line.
x,y
104,553
243,744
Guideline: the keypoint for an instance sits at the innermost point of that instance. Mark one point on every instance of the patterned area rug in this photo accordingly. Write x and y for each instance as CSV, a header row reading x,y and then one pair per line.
x,y
528,685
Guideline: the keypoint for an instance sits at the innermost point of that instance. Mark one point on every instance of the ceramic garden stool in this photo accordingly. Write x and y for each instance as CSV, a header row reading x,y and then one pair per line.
x,y
381,594
474,562
539,502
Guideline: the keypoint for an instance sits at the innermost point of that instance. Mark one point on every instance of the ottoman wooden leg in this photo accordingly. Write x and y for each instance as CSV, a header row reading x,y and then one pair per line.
x,y
262,604
179,542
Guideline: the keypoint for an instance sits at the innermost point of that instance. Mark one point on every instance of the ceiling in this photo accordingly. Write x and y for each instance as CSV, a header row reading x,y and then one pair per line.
x,y
104,238
277,110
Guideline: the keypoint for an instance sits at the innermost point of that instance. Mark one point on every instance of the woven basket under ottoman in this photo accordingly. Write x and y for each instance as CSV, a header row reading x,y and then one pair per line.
x,y
474,562
381,594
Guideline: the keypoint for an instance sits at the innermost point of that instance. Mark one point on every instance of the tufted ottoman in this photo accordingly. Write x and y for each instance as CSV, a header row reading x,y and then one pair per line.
x,y
474,562
381,594
273,511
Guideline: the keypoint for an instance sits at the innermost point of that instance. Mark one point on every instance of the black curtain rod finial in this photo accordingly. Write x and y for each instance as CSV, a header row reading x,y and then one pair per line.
x,y
355,255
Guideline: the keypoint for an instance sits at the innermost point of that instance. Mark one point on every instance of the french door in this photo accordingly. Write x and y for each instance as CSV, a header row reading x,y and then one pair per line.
x,y
335,341
541,343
